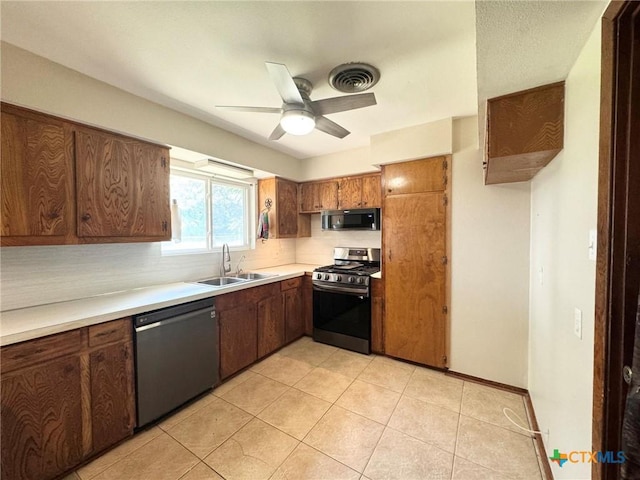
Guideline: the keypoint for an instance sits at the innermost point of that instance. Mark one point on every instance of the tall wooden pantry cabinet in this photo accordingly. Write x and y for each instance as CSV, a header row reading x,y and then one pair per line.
x,y
415,260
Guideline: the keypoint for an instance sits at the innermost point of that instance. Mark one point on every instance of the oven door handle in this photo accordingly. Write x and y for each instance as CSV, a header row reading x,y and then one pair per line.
x,y
358,292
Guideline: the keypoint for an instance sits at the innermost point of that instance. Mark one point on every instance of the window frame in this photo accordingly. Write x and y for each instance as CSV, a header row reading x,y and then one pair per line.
x,y
249,186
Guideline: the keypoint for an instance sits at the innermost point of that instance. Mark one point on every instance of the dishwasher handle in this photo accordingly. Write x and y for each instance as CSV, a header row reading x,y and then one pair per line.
x,y
169,321
166,313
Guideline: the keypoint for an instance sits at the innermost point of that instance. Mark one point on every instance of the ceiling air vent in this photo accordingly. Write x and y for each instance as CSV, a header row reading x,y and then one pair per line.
x,y
353,77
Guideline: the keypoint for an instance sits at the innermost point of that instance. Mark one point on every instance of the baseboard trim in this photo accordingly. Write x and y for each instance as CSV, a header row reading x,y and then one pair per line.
x,y
490,383
543,461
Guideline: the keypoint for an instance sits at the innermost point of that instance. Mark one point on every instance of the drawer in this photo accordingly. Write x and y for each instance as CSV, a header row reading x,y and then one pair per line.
x,y
31,352
291,283
115,331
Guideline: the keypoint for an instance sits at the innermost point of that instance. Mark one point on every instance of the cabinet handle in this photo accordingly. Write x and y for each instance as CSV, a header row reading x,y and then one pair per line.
x,y
86,217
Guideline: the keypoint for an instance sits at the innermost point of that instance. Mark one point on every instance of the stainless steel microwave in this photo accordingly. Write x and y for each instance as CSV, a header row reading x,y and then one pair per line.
x,y
354,219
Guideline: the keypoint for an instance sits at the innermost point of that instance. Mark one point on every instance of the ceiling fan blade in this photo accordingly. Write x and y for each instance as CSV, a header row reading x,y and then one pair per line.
x,y
249,109
342,104
327,126
277,133
284,83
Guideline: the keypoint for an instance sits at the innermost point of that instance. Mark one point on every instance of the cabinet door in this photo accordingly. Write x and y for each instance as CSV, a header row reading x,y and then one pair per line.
x,y
153,164
294,322
371,191
122,187
37,179
418,176
377,334
238,338
350,192
270,325
42,420
112,398
307,304
327,195
308,197
287,208
414,249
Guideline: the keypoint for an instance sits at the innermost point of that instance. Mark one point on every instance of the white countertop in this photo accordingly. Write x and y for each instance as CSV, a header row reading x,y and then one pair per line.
x,y
33,322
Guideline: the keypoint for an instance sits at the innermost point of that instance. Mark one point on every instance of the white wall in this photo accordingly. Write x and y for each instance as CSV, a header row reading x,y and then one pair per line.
x,y
35,82
337,164
411,143
563,210
489,267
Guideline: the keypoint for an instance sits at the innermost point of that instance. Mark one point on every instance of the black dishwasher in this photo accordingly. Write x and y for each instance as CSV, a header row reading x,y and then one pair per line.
x,y
176,357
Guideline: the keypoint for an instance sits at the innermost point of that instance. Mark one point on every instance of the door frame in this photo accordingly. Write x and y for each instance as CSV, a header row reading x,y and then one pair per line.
x,y
608,389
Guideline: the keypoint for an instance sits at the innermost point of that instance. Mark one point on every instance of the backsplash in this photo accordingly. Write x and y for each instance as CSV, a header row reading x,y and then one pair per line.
x,y
38,275
318,249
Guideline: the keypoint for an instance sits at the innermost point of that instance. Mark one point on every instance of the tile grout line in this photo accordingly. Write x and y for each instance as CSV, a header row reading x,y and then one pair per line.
x,y
386,425
314,425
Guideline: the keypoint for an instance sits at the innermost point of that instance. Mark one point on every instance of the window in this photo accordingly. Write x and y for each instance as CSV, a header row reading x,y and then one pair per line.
x,y
212,212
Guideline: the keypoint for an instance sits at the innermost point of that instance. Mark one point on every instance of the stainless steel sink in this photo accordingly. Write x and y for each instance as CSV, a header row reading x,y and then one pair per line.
x,y
255,276
221,281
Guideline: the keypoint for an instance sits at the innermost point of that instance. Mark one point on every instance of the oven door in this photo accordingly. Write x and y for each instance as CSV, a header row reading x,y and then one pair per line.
x,y
342,318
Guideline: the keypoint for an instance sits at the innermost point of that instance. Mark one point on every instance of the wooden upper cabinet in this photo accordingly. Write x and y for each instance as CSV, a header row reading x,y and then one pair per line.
x,y
122,187
359,192
371,191
416,176
318,196
37,179
286,199
350,192
65,183
285,221
525,131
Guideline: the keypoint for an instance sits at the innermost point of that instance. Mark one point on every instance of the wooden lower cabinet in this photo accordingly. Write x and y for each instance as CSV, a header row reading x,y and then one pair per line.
x,y
251,326
307,304
112,399
238,338
64,400
377,309
270,325
292,307
42,420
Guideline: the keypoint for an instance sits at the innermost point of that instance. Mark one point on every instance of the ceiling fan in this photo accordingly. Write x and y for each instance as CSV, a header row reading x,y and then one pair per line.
x,y
299,114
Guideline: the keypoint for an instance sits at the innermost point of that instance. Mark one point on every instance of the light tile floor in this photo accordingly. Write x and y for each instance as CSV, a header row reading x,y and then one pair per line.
x,y
312,411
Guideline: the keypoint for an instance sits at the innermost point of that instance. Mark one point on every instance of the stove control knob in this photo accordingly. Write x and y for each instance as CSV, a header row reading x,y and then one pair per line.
x,y
319,276
326,276
351,279
339,278
360,280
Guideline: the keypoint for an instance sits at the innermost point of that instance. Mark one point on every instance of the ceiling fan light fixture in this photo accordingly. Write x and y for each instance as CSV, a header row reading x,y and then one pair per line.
x,y
298,122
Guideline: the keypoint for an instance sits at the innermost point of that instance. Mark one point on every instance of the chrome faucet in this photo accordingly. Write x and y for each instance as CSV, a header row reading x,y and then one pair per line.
x,y
238,269
225,261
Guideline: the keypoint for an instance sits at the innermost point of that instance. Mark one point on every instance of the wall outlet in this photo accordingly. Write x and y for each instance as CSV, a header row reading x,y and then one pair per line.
x,y
577,322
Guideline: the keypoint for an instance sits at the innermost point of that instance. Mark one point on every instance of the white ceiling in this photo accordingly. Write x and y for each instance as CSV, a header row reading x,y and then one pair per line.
x,y
191,55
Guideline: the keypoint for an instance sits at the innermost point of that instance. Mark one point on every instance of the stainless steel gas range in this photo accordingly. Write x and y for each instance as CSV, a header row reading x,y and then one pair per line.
x,y
342,299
